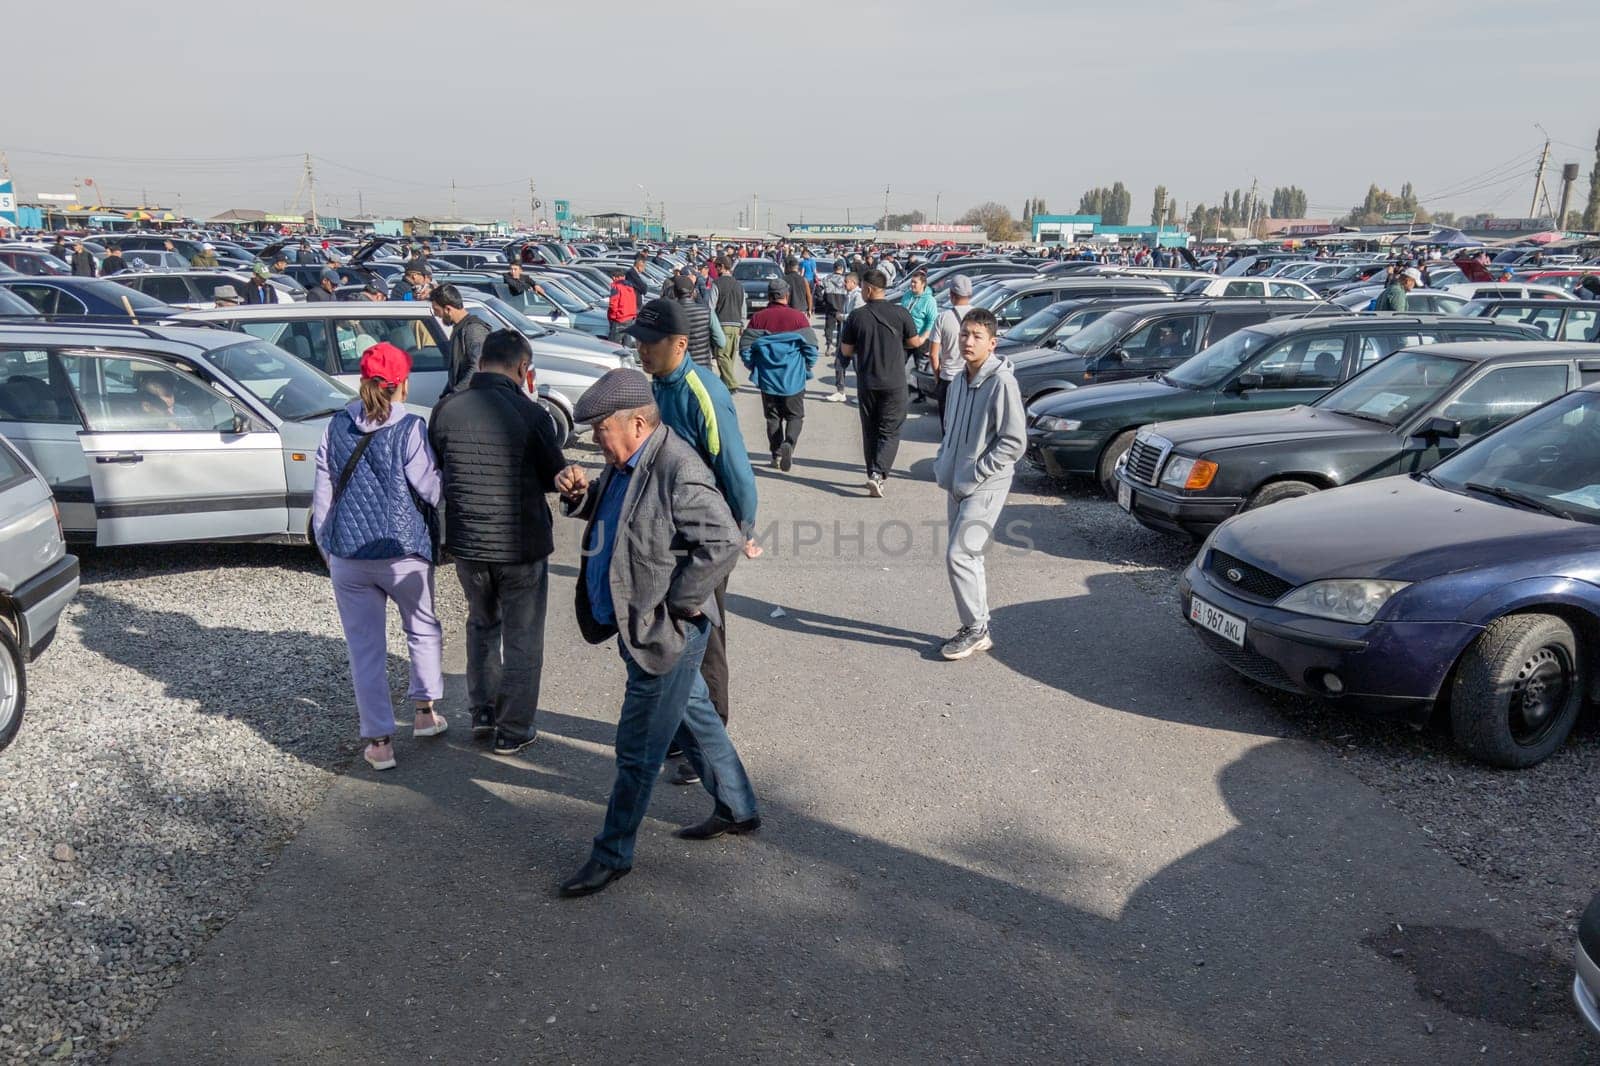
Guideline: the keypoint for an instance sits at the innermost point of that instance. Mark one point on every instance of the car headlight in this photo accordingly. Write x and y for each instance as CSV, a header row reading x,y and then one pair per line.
x,y
1057,425
1185,473
1355,600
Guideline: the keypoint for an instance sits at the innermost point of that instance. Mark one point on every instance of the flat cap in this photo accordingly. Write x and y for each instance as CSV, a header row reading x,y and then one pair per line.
x,y
622,389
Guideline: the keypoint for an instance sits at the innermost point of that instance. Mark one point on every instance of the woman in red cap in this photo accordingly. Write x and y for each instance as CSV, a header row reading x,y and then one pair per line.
x,y
372,511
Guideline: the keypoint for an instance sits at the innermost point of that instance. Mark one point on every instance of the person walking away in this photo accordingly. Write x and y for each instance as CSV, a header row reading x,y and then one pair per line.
x,y
877,336
728,304
780,348
658,540
113,263
205,258
984,436
467,334
853,302
799,288
945,349
499,453
833,299
705,332
695,405
259,290
83,264
924,309
1394,297
622,307
373,467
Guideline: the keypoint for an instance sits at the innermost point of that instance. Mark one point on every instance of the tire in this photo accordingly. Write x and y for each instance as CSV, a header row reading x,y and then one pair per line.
x,y
563,423
1279,490
1106,471
1518,691
13,686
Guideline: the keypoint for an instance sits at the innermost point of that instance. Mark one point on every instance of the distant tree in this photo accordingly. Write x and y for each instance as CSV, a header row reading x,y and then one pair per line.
x,y
1380,202
910,218
1158,206
1288,202
1027,211
995,219
1591,211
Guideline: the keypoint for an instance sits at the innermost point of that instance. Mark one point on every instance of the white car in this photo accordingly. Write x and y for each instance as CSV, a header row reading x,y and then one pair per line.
x,y
1418,301
1250,287
1507,290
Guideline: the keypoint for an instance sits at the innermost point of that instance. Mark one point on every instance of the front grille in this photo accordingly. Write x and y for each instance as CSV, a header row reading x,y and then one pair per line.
x,y
1252,581
1257,668
1144,459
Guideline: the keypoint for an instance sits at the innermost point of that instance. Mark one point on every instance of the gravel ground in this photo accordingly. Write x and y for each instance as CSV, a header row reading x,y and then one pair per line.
x,y
191,714
1531,835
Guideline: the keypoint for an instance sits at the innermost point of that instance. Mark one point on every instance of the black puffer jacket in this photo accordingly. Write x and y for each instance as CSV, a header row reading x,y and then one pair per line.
x,y
700,349
498,455
466,345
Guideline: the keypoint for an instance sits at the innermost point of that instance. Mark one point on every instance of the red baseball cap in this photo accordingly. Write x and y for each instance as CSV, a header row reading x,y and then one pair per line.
x,y
386,363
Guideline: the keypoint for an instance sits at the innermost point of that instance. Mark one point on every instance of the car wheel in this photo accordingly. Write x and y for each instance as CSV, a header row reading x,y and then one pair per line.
x,y
1279,490
563,423
1517,691
13,686
1106,472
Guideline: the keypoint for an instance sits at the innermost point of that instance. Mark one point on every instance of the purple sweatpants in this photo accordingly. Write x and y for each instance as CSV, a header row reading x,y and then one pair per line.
x,y
362,588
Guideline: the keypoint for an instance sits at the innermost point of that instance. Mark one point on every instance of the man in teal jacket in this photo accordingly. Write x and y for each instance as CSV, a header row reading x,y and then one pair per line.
x,y
696,405
779,348
924,309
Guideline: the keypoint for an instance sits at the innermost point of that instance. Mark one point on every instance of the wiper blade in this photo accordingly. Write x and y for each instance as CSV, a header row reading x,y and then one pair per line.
x,y
1364,417
1500,492
317,414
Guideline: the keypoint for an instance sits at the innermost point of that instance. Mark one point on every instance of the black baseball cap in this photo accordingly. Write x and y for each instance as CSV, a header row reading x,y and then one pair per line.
x,y
660,318
778,289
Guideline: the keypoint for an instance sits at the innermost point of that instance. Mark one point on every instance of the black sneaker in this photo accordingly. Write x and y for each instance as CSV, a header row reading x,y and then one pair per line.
x,y
508,744
785,456
683,774
968,639
482,721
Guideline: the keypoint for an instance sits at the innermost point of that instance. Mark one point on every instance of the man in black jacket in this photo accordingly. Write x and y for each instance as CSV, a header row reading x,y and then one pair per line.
x,y
467,335
499,453
83,264
518,283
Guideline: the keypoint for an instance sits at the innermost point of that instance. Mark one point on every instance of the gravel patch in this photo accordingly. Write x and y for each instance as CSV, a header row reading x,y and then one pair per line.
x,y
190,716
1531,835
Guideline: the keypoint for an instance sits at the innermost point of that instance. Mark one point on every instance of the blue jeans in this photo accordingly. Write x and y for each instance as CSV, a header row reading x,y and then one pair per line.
x,y
653,707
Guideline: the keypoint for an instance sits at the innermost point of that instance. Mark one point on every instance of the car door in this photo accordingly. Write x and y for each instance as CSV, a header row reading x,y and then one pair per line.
x,y
1494,397
1581,325
306,339
1152,348
1294,371
170,458
422,338
38,415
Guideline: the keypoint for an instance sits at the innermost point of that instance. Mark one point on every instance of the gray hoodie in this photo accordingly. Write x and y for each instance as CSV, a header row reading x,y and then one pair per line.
x,y
985,430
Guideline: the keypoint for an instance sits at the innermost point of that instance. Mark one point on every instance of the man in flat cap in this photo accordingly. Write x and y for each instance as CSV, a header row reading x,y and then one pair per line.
x,y
659,539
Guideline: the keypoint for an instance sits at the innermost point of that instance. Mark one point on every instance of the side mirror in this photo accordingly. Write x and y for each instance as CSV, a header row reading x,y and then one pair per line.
x,y
1437,429
1245,383
241,422
1119,354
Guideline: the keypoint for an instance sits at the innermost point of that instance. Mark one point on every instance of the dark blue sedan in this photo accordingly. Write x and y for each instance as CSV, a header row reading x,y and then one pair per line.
x,y
1472,591
78,299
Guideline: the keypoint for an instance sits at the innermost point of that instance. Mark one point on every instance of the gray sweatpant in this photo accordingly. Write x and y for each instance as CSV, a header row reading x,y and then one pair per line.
x,y
971,527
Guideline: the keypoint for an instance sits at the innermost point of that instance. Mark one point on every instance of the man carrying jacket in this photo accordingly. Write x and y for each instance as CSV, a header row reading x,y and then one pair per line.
x,y
985,433
728,304
780,348
659,539
467,334
695,405
499,453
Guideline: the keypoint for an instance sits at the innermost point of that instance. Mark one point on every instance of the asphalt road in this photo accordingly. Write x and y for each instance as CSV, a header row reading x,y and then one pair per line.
x,y
1092,845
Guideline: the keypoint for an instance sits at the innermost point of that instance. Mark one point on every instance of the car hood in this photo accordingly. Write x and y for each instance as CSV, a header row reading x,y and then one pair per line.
x,y
1296,424
1398,528
1091,399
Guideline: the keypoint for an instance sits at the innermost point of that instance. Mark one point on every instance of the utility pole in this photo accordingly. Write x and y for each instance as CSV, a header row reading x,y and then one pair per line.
x,y
1538,180
452,197
311,183
361,203
1569,174
886,207
755,210
936,198
533,202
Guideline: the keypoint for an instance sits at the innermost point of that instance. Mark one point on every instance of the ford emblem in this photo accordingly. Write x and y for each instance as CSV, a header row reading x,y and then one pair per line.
x,y
1234,575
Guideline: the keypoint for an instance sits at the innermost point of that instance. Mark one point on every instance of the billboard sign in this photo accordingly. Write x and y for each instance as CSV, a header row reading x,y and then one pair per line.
x,y
8,203
563,210
1519,225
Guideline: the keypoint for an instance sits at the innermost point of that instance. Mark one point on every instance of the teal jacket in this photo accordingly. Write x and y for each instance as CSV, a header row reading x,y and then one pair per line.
x,y
696,405
779,363
924,309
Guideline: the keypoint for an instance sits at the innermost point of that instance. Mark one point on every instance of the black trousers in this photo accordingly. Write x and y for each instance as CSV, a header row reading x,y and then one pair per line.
x,y
505,639
941,391
786,415
883,412
714,667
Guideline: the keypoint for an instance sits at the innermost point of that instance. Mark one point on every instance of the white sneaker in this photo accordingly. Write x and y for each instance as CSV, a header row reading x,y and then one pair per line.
x,y
875,487
834,397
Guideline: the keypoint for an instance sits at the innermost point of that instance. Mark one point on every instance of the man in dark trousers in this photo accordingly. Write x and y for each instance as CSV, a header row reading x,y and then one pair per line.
x,y
780,348
467,334
728,304
799,287
499,453
877,336
659,540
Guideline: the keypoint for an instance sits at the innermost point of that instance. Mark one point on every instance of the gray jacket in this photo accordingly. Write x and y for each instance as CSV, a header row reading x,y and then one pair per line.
x,y
677,541
985,430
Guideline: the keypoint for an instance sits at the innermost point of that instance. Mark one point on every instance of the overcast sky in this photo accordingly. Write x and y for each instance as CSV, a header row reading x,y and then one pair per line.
x,y
813,106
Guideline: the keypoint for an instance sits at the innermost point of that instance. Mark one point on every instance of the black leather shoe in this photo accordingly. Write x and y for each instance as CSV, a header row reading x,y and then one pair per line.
x,y
482,721
591,879
715,826
684,774
509,743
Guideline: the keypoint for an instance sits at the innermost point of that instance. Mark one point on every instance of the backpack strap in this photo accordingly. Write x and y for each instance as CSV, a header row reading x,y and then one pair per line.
x,y
349,469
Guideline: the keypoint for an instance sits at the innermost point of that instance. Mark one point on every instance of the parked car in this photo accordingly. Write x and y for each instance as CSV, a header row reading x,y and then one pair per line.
x,y
559,305
194,289
1418,301
38,578
1586,983
153,259
1465,592
1557,320
753,275
33,261
1402,415
1250,286
1269,365
1507,290
1061,320
73,299
132,242
1015,299
166,433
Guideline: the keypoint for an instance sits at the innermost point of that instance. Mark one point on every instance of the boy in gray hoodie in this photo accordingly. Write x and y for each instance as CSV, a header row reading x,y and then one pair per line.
x,y
984,436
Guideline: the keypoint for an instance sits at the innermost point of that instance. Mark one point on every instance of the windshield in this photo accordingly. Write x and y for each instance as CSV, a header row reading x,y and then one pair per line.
x,y
754,271
1551,456
1037,324
291,390
1217,363
1100,336
519,321
561,297
1393,389
12,304
111,292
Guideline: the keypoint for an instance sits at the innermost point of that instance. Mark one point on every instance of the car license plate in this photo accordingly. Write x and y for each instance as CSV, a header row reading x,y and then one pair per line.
x,y
1225,625
1124,496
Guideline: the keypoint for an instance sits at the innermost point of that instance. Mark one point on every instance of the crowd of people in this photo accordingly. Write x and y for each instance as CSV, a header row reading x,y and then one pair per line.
x,y
664,522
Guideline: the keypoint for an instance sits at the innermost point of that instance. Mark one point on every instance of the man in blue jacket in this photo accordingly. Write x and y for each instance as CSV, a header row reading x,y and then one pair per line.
x,y
696,405
779,348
